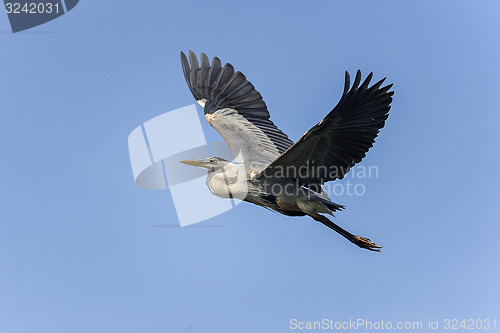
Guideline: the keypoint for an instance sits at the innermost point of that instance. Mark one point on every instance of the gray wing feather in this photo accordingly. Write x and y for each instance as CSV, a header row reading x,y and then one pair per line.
x,y
248,143
223,88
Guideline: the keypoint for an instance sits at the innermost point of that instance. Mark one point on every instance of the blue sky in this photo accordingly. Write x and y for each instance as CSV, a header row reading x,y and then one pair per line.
x,y
78,248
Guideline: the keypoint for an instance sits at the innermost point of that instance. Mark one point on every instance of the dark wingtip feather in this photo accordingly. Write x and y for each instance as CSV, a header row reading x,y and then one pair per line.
x,y
193,60
185,68
347,83
376,86
229,67
216,61
386,88
366,82
357,80
184,62
205,63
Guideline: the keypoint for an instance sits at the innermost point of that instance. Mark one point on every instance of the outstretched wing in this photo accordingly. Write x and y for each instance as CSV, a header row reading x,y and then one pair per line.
x,y
328,150
235,109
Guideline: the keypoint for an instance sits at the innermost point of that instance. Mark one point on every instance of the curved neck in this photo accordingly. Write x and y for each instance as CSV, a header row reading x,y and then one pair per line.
x,y
228,181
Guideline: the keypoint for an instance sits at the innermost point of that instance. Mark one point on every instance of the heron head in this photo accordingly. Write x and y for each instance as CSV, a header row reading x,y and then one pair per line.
x,y
210,163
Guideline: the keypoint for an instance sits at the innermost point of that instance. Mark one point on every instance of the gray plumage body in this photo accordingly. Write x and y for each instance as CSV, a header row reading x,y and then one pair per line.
x,y
230,180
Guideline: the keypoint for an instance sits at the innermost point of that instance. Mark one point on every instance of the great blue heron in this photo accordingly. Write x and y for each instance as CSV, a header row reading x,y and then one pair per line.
x,y
270,170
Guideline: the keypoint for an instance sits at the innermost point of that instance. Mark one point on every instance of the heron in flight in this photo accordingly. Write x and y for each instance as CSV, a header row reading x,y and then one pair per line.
x,y
269,169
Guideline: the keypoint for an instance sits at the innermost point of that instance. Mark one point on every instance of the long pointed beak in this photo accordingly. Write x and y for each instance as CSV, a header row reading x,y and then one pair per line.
x,y
196,163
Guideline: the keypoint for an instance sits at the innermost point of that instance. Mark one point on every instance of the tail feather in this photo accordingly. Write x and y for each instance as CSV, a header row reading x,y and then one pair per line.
x,y
324,199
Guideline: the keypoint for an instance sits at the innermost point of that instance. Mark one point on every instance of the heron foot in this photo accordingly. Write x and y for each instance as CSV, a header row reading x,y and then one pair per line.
x,y
366,243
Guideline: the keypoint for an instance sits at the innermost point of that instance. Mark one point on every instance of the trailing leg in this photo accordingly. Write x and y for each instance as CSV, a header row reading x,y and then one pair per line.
x,y
362,242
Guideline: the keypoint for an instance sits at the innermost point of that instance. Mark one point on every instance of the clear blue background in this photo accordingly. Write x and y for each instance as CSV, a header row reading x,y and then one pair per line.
x,y
79,250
